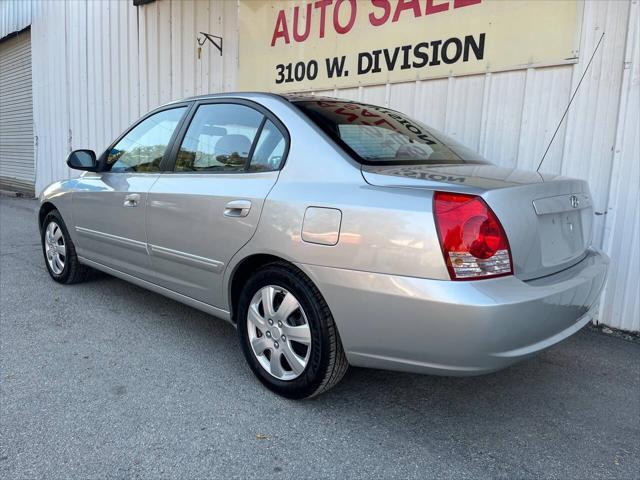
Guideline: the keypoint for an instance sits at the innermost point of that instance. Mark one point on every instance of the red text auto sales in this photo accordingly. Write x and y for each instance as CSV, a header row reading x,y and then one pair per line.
x,y
338,17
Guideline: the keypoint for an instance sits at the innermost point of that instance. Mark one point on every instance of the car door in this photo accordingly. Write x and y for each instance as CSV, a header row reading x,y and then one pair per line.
x,y
226,160
109,205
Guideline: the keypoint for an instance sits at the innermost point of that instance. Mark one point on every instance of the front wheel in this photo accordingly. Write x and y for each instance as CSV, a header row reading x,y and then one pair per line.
x,y
60,252
288,334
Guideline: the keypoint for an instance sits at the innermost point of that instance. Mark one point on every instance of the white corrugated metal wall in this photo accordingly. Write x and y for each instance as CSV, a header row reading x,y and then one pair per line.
x,y
620,305
98,65
15,16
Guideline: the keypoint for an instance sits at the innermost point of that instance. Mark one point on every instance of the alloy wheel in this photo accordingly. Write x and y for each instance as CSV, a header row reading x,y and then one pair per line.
x,y
55,248
279,332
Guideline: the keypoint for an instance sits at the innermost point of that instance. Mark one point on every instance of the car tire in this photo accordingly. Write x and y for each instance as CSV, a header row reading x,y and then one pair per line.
x,y
59,251
325,363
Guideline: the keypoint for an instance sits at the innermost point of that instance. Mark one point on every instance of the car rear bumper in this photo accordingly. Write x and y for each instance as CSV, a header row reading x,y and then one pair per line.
x,y
457,328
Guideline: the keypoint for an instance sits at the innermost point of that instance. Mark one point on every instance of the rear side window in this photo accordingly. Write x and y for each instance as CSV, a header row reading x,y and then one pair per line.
x,y
378,136
219,139
142,148
270,149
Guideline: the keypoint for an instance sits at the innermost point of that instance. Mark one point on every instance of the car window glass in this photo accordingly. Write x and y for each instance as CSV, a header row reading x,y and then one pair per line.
x,y
142,148
379,136
269,149
218,139
371,141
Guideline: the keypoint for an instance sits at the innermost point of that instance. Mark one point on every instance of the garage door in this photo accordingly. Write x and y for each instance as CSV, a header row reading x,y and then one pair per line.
x,y
17,170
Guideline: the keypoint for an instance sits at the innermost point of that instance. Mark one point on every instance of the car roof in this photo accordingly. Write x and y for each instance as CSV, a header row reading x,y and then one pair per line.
x,y
290,97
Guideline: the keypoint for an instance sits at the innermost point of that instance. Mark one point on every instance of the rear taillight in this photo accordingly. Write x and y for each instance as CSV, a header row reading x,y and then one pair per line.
x,y
473,241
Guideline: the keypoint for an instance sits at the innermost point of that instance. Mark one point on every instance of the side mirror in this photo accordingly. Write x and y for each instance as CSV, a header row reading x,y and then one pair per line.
x,y
82,160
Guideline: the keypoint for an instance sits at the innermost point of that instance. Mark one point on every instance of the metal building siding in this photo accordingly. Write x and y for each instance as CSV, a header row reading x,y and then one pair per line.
x,y
114,62
591,122
620,305
15,15
173,65
16,113
51,91
98,65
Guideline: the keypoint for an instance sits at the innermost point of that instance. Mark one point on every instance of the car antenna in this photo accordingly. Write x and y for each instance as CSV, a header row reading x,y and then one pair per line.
x,y
570,101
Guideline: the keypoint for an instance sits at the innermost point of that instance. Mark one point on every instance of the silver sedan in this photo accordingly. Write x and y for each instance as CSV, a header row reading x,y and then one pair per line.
x,y
331,233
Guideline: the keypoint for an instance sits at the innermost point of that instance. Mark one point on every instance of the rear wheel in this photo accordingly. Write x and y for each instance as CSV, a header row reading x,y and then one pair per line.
x,y
288,334
59,251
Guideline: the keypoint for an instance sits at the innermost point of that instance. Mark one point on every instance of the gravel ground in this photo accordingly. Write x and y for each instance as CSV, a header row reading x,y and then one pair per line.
x,y
106,380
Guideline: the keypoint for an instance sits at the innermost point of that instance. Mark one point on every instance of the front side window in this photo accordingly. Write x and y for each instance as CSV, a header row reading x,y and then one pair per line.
x,y
219,139
142,148
379,136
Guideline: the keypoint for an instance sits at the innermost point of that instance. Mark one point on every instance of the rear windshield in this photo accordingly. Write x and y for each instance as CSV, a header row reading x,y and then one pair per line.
x,y
378,136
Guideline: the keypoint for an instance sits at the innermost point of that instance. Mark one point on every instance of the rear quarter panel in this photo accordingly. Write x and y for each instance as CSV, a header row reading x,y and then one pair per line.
x,y
383,230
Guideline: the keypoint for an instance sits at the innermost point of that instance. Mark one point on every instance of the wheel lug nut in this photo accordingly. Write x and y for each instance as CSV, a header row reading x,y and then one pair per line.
x,y
283,338
270,322
280,324
269,334
276,344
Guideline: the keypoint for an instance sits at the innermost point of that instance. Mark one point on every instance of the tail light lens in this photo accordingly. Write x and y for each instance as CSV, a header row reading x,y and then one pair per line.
x,y
473,241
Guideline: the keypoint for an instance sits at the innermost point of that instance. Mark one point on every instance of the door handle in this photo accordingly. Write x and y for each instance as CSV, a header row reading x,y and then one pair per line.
x,y
131,200
237,208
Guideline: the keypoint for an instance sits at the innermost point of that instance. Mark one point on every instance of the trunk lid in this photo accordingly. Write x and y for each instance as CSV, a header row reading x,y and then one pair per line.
x,y
546,218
